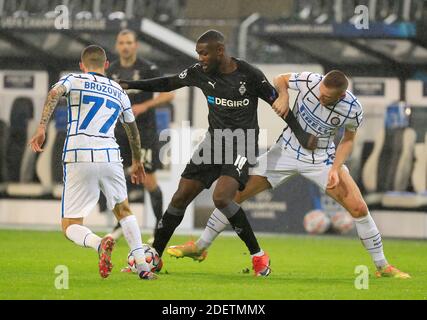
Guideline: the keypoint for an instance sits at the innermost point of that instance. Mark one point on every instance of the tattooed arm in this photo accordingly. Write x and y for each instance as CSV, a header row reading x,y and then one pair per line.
x,y
52,100
134,140
137,169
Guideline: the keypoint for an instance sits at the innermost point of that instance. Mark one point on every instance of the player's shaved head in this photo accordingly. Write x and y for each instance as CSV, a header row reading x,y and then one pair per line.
x,y
333,87
211,50
211,36
93,57
337,80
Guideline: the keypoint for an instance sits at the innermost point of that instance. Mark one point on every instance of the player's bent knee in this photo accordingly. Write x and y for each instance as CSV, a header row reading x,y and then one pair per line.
x,y
359,209
221,201
122,210
123,213
222,197
64,229
65,223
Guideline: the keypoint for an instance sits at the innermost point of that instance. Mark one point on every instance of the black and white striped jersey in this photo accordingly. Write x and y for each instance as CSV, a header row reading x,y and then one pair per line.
x,y
321,121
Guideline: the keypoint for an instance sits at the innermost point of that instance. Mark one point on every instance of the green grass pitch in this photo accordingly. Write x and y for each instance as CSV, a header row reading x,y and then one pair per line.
x,y
304,267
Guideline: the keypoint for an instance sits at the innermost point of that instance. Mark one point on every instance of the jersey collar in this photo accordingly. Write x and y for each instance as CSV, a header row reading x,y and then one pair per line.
x,y
97,74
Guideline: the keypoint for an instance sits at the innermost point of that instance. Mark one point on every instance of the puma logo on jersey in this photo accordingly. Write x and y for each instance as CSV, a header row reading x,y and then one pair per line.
x,y
212,84
239,163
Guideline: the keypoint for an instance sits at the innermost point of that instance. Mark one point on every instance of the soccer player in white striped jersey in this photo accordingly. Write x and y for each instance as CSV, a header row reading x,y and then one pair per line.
x,y
323,105
91,157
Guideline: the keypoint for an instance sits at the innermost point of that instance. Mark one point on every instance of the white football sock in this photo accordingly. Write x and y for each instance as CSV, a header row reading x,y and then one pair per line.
x,y
371,239
132,234
83,236
258,254
216,224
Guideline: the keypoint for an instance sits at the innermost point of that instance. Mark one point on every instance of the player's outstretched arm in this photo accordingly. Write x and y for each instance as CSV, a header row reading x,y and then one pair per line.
x,y
281,106
161,84
137,169
159,100
50,104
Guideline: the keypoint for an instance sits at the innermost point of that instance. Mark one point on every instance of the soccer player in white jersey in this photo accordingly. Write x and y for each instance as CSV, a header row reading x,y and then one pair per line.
x,y
322,106
91,156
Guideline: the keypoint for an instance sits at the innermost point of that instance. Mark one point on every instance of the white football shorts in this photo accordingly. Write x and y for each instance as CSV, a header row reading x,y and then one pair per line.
x,y
280,164
84,180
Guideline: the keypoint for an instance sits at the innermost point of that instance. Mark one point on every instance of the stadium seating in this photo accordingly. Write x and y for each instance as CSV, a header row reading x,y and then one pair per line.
x,y
21,113
114,9
164,11
417,199
56,159
56,163
327,11
319,11
44,163
43,170
82,9
57,170
3,140
419,174
27,169
388,168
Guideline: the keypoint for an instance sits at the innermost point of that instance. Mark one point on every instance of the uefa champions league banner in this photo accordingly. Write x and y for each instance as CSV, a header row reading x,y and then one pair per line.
x,y
402,30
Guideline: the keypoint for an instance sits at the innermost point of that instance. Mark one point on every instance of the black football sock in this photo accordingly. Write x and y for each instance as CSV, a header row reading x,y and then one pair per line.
x,y
166,227
241,225
156,198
